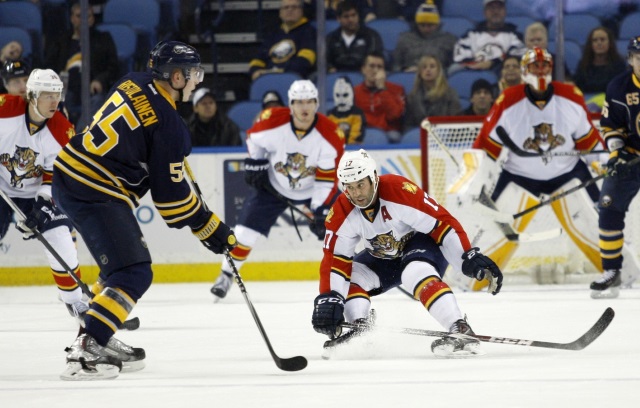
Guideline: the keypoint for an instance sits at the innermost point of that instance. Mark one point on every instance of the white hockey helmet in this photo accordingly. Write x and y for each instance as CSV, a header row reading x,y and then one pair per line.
x,y
43,80
537,81
301,90
355,166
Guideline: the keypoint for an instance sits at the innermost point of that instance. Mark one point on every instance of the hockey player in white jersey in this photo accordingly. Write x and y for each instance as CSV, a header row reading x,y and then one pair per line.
x,y
545,118
293,154
409,239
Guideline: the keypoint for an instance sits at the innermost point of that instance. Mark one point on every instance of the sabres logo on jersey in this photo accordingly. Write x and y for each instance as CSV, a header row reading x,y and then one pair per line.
x,y
543,139
295,169
21,166
387,246
412,188
282,51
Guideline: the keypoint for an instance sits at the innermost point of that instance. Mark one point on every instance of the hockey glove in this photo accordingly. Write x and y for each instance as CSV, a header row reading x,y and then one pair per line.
x,y
43,213
256,173
617,164
475,265
215,235
328,311
317,225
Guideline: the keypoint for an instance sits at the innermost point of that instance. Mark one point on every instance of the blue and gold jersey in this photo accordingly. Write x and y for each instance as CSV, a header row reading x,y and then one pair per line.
x,y
621,110
136,142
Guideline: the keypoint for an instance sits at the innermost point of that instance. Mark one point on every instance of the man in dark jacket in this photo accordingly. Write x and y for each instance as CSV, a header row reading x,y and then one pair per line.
x,y
348,45
64,56
209,126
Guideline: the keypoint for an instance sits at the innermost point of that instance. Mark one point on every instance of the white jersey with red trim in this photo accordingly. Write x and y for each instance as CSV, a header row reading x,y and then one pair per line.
x,y
26,160
559,124
402,210
303,165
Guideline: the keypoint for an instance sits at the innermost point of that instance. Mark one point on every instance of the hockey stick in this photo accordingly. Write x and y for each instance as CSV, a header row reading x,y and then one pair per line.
x,y
583,341
509,143
289,203
132,324
488,207
286,364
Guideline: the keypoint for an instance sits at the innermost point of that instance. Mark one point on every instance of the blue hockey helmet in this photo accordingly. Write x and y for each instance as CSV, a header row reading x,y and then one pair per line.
x,y
169,55
634,45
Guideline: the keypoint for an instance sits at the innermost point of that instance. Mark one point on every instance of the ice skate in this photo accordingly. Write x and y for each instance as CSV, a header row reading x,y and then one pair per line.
x,y
457,345
132,358
221,286
353,333
89,361
606,286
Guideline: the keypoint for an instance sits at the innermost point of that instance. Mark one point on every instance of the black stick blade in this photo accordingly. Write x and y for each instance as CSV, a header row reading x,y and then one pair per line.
x,y
291,364
131,324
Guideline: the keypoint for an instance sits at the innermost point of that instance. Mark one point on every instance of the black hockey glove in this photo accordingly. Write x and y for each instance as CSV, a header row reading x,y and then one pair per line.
x,y
43,213
476,265
328,311
617,164
317,225
215,235
256,173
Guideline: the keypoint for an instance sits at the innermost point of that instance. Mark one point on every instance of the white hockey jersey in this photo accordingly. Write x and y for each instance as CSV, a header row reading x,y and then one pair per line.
x,y
404,209
302,166
561,124
26,160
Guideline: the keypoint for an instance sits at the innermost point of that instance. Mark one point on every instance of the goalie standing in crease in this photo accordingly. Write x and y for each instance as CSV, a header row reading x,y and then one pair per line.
x,y
293,154
541,116
409,239
137,143
620,118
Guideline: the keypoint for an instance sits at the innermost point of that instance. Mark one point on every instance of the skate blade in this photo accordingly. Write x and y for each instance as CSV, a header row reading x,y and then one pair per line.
x,y
75,372
469,351
132,366
610,293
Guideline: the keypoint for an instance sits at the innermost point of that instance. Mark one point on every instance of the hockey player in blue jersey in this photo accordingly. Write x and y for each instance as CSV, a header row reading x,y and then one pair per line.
x,y
136,143
620,116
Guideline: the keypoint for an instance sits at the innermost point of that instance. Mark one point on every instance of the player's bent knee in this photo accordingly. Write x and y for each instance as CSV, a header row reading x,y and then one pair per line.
x,y
135,280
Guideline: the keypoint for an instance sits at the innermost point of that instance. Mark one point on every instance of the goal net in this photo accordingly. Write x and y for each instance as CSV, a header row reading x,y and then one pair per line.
x,y
555,260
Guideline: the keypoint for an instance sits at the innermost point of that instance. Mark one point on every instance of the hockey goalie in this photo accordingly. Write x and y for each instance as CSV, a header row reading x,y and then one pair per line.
x,y
548,124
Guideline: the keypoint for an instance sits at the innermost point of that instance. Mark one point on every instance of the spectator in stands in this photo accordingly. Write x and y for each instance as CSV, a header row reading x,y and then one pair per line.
x,y
481,98
425,37
485,46
64,56
209,126
11,51
271,99
14,78
510,74
381,101
366,9
600,62
536,35
349,44
431,94
349,118
292,48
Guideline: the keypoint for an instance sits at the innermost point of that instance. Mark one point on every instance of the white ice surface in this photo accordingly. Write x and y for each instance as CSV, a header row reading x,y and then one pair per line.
x,y
202,354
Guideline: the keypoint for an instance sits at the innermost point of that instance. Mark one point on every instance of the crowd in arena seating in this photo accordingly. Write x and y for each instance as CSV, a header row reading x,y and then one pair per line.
x,y
437,55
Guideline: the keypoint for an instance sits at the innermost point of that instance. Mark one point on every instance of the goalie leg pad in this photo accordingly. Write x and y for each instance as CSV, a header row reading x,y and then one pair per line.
x,y
579,219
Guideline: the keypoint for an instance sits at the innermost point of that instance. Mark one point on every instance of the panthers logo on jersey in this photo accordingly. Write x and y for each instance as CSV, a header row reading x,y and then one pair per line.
x,y
412,188
22,165
543,139
387,246
295,169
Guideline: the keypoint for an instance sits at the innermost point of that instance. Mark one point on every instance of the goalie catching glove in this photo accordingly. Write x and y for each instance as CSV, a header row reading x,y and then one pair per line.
x,y
475,265
215,235
41,215
328,311
256,173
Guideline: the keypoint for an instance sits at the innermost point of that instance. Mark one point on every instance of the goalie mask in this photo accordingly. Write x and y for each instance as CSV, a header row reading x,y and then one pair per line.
x,y
537,66
356,166
343,94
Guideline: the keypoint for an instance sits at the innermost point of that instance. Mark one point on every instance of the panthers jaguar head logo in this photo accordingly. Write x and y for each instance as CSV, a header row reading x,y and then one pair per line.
x,y
22,165
543,139
295,169
387,246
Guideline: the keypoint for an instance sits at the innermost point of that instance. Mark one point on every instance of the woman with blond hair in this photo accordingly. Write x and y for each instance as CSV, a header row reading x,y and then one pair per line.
x,y
431,94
